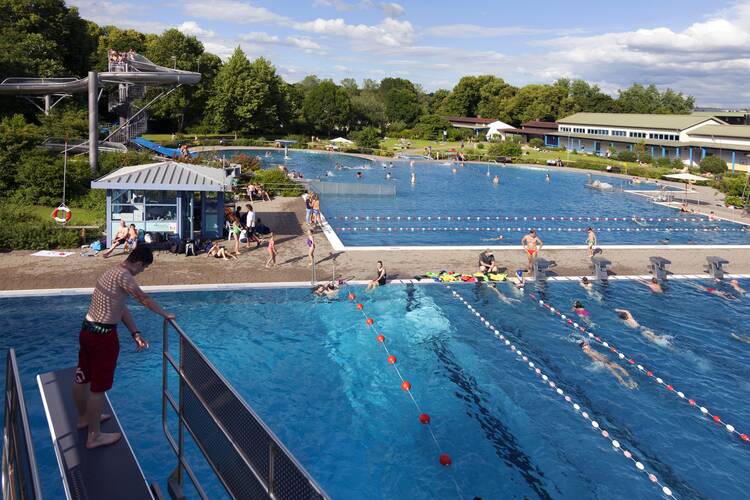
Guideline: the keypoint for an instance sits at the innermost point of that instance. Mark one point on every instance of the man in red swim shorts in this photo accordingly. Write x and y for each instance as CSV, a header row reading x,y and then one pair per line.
x,y
532,244
100,346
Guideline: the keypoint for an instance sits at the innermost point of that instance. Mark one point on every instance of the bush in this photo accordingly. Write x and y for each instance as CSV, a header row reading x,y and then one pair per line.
x,y
396,127
246,162
536,142
713,164
663,162
735,201
626,156
480,146
277,183
368,138
21,230
505,148
732,185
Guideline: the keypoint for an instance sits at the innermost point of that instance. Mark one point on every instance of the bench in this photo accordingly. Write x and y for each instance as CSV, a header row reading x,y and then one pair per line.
x,y
658,267
601,268
714,267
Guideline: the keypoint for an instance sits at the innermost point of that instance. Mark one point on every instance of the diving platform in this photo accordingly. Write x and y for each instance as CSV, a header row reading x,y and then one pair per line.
x,y
110,472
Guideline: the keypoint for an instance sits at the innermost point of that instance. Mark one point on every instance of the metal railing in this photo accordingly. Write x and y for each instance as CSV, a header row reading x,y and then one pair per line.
x,y
247,458
20,475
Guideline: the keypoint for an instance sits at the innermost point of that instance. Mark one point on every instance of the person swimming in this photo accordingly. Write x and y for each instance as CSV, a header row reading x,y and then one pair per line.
x,y
580,310
413,178
504,298
388,175
496,180
654,285
627,318
547,177
736,285
618,371
741,338
714,291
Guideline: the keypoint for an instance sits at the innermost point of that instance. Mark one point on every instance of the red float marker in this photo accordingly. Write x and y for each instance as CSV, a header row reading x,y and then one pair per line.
x,y
405,385
380,338
369,321
359,307
424,418
392,359
445,459
351,296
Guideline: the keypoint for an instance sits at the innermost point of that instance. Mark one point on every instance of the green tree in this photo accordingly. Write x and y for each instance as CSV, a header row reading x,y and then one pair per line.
x,y
70,122
326,107
466,95
493,99
368,109
431,127
401,104
16,136
435,101
507,147
121,40
368,138
712,164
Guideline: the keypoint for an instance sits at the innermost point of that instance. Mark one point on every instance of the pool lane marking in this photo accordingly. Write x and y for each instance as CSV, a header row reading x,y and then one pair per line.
x,y
631,362
595,426
702,218
424,418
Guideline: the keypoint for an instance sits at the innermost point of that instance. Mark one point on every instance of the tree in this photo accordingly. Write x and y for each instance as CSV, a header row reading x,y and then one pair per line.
x,y
402,104
368,138
326,107
712,164
466,95
507,147
16,136
114,38
368,109
536,142
431,127
350,85
493,99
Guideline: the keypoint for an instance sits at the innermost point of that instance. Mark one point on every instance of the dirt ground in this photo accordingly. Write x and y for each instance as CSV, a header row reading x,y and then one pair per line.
x,y
20,271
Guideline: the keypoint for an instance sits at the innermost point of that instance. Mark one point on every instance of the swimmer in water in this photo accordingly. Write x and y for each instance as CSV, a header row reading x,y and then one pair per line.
x,y
736,285
496,180
579,309
411,163
654,285
547,177
388,175
497,238
714,291
741,338
586,284
454,170
413,178
330,290
618,371
589,287
627,318
504,298
359,175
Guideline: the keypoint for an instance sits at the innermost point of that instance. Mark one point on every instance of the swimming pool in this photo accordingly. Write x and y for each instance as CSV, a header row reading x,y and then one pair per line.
x,y
464,207
314,372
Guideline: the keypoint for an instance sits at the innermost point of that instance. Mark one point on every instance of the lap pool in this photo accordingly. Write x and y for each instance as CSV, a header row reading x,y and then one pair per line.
x,y
443,207
314,371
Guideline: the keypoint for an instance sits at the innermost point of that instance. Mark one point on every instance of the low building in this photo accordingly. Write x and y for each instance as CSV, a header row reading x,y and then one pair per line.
x,y
499,130
537,129
167,199
689,138
478,125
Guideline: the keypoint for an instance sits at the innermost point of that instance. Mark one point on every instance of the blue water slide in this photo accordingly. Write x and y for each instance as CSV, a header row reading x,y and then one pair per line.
x,y
158,148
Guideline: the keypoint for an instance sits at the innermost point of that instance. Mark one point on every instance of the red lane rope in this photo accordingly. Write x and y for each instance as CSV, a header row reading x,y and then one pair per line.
x,y
424,418
631,362
595,426
520,217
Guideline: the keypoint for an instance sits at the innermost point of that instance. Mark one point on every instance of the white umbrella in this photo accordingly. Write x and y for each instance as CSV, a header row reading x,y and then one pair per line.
x,y
686,178
341,140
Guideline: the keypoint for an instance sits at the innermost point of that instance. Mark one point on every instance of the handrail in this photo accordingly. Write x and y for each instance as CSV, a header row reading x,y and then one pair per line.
x,y
20,477
251,460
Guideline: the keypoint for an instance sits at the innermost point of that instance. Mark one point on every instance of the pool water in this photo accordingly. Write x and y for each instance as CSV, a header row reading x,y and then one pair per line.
x,y
314,372
466,208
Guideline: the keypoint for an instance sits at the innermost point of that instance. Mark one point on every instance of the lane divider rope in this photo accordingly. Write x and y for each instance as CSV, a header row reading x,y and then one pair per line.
x,y
545,379
631,362
520,218
549,229
424,418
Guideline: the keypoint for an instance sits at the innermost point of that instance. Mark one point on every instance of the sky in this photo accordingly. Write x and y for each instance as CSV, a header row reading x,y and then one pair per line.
x,y
700,48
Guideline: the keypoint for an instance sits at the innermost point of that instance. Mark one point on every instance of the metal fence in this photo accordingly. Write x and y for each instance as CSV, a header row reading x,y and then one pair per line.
x,y
20,475
344,188
245,455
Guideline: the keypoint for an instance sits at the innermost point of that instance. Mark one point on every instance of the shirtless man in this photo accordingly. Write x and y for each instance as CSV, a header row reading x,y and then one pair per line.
x,y
532,244
627,318
618,371
654,285
736,285
715,291
100,345
120,238
504,298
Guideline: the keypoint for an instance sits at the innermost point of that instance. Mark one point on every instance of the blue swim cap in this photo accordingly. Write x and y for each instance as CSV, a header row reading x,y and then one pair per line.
x,y
519,273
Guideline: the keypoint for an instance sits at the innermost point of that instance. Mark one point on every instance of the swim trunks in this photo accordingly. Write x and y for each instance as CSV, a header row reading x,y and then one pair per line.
x,y
531,251
309,242
99,347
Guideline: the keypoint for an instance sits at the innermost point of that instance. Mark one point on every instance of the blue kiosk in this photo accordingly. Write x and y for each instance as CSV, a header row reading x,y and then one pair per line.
x,y
171,199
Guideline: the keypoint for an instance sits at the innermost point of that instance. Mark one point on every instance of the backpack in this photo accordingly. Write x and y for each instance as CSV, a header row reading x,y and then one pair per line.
x,y
180,247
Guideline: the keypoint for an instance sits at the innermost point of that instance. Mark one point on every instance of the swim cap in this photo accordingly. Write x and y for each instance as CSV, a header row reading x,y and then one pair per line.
x,y
519,273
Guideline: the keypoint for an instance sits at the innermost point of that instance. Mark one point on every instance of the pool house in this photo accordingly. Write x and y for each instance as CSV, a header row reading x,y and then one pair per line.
x,y
167,199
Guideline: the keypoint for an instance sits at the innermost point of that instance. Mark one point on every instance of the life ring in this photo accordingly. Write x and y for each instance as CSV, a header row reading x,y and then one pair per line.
x,y
62,214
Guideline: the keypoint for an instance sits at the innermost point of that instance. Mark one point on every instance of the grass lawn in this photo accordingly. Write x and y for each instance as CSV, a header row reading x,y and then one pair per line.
x,y
81,216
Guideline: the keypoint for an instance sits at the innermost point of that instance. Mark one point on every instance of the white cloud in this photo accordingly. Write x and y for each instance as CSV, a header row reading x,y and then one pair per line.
x,y
260,37
232,11
192,28
340,5
392,9
390,32
462,30
303,42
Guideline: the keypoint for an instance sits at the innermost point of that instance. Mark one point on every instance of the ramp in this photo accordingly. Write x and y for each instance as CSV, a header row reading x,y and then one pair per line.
x,y
110,472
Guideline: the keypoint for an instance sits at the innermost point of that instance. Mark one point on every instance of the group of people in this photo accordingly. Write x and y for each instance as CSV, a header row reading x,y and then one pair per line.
x,y
246,227
115,57
312,208
257,191
126,235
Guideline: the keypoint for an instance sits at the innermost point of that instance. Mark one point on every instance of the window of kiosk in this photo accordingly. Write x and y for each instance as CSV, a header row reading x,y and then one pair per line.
x,y
148,211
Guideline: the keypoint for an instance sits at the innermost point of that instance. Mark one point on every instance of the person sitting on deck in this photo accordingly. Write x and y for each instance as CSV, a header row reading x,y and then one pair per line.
x,y
120,237
487,262
219,252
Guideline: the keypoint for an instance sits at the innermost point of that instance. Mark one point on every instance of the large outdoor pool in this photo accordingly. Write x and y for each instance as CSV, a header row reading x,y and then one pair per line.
x,y
449,204
315,373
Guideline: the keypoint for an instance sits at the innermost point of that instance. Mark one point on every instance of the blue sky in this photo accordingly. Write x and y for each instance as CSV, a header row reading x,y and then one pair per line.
x,y
696,47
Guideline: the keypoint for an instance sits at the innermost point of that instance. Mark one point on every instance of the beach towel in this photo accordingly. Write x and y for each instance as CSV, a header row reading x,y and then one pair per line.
x,y
51,253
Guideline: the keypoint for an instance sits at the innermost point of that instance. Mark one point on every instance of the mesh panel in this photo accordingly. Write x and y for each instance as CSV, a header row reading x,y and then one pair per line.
x,y
247,432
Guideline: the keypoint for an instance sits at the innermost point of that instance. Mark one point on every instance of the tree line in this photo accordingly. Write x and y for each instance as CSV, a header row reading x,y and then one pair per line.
x,y
47,38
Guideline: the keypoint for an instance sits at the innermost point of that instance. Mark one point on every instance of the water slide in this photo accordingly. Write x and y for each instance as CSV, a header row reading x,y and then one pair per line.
x,y
158,148
141,71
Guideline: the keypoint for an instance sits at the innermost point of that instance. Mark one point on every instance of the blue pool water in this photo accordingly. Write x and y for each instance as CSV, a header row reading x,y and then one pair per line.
x,y
314,372
440,202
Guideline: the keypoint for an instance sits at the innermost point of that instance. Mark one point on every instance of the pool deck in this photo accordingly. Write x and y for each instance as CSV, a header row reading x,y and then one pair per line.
x,y
21,271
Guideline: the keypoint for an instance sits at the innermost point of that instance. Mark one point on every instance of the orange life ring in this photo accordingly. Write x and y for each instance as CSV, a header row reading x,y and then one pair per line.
x,y
58,217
